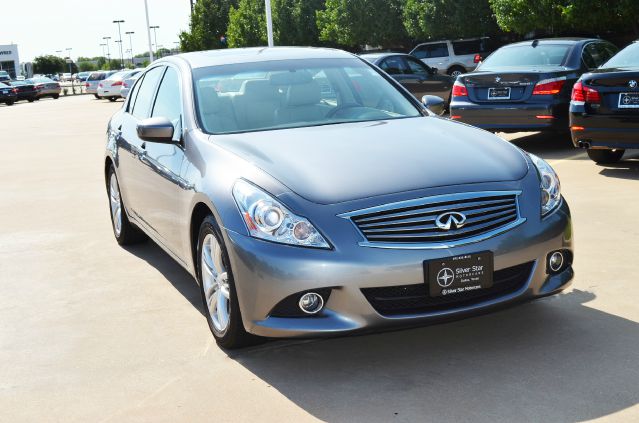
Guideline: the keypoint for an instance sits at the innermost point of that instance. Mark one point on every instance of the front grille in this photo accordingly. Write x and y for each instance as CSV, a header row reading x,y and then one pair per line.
x,y
414,222
415,299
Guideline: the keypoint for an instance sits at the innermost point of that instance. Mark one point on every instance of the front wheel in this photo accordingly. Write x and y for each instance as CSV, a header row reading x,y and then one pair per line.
x,y
9,103
31,100
96,96
605,156
56,96
125,232
111,99
219,296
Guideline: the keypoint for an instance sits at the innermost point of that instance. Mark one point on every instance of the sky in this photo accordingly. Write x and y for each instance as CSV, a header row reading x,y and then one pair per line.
x,y
81,24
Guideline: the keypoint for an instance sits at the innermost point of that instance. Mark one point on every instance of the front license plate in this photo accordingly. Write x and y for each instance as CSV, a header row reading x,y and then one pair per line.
x,y
499,93
629,100
460,274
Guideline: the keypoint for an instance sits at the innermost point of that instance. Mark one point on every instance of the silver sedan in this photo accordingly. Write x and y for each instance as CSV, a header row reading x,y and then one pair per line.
x,y
309,194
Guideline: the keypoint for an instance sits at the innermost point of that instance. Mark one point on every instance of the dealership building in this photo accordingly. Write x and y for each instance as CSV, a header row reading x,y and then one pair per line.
x,y
9,60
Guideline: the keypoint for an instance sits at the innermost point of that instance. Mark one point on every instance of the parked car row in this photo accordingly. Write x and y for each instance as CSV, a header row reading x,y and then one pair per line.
x,y
28,89
109,84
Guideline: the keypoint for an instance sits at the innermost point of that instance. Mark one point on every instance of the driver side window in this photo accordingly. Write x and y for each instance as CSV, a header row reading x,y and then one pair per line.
x,y
417,67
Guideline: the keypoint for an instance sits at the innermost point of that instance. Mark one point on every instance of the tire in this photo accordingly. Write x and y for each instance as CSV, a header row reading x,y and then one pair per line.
x,y
9,103
123,230
455,71
112,99
56,96
605,156
96,96
31,100
216,282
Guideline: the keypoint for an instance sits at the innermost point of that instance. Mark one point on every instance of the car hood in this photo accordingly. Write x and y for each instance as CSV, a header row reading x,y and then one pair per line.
x,y
335,163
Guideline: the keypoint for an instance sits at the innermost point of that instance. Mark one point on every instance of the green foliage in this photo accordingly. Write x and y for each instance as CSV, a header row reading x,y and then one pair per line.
x,y
49,64
523,16
359,22
294,22
448,19
209,22
247,24
87,66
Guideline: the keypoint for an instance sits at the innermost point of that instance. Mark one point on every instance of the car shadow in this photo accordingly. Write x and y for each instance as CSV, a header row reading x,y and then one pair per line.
x,y
181,280
555,359
628,168
551,146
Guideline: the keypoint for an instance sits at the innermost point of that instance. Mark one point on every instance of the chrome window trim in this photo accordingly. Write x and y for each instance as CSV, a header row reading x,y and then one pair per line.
x,y
435,199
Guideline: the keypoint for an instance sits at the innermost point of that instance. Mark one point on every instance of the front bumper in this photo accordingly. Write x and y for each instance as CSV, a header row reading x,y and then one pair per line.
x,y
265,273
512,117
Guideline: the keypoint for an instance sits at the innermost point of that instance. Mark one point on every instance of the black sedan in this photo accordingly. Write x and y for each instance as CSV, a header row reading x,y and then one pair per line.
x,y
604,111
526,86
25,89
8,94
417,77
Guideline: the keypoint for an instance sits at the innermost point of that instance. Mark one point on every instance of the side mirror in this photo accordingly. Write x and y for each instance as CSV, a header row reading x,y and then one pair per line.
x,y
156,129
434,104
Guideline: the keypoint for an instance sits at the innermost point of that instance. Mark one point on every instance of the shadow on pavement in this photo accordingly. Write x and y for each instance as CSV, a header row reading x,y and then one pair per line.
x,y
181,280
549,146
555,360
628,168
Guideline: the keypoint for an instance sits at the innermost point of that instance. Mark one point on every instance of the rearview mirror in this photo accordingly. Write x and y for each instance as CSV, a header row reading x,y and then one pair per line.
x,y
434,104
156,129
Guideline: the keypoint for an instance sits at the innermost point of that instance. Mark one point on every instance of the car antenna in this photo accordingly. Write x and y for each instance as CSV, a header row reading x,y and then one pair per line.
x,y
535,43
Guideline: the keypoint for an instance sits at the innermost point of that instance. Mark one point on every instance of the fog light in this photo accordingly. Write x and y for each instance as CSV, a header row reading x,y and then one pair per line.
x,y
311,303
556,261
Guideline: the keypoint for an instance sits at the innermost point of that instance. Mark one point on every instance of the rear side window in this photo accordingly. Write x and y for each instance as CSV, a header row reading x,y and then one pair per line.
x,y
468,47
435,50
144,96
595,55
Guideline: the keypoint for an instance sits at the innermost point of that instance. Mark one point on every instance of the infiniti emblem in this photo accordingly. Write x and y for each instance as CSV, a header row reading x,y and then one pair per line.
x,y
498,78
632,83
450,220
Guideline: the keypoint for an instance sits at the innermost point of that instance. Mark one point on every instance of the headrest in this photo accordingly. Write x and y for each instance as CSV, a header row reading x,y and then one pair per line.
x,y
259,88
303,94
210,101
291,78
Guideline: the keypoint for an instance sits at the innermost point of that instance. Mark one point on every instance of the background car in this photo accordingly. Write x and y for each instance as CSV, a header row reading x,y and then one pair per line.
x,y
110,87
46,88
415,76
526,86
26,90
8,94
4,76
127,84
604,107
82,76
304,208
91,84
453,57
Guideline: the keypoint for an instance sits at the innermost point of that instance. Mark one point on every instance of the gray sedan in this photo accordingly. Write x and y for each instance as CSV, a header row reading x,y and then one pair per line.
x,y
309,194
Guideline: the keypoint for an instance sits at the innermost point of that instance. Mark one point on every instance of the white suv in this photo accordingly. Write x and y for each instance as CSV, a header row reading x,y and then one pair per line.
x,y
453,56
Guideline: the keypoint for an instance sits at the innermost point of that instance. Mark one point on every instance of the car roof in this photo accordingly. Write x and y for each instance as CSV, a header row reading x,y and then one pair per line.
x,y
377,56
257,54
558,40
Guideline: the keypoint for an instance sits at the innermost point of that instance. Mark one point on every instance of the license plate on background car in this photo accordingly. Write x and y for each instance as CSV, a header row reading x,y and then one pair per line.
x,y
499,93
460,274
629,100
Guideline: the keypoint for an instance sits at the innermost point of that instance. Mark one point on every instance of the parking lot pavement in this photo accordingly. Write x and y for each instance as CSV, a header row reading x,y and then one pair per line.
x,y
93,332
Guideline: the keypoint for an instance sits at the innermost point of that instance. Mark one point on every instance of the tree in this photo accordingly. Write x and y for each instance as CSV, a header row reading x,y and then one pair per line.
x,y
48,64
209,23
448,18
247,24
359,22
87,66
523,16
295,22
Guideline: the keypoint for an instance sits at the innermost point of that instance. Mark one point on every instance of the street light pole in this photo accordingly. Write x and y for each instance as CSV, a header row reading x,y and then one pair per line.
x,y
269,23
129,33
148,30
120,33
68,49
155,34
108,50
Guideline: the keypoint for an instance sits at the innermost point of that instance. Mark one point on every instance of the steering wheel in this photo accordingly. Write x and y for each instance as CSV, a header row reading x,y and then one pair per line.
x,y
339,108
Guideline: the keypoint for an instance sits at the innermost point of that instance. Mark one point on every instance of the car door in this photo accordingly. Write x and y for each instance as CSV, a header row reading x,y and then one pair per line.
x,y
429,81
164,166
131,149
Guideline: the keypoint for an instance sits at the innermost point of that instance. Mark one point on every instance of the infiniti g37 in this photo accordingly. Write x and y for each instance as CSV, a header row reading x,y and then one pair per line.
x,y
309,194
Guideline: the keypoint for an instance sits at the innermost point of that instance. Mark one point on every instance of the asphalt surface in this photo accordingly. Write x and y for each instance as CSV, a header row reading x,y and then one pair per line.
x,y
91,332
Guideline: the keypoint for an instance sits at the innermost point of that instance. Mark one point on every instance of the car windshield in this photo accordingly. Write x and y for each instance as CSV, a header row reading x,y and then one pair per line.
x,y
294,93
525,55
96,76
626,58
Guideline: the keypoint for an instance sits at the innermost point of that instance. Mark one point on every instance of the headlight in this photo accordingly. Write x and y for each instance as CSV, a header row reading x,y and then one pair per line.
x,y
268,219
550,186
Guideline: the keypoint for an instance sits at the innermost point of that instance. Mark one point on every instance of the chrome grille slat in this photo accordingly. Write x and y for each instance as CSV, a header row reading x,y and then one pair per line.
x,y
415,212
412,223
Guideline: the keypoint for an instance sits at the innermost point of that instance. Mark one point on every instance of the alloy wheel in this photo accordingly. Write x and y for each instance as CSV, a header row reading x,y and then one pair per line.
x,y
215,284
116,204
